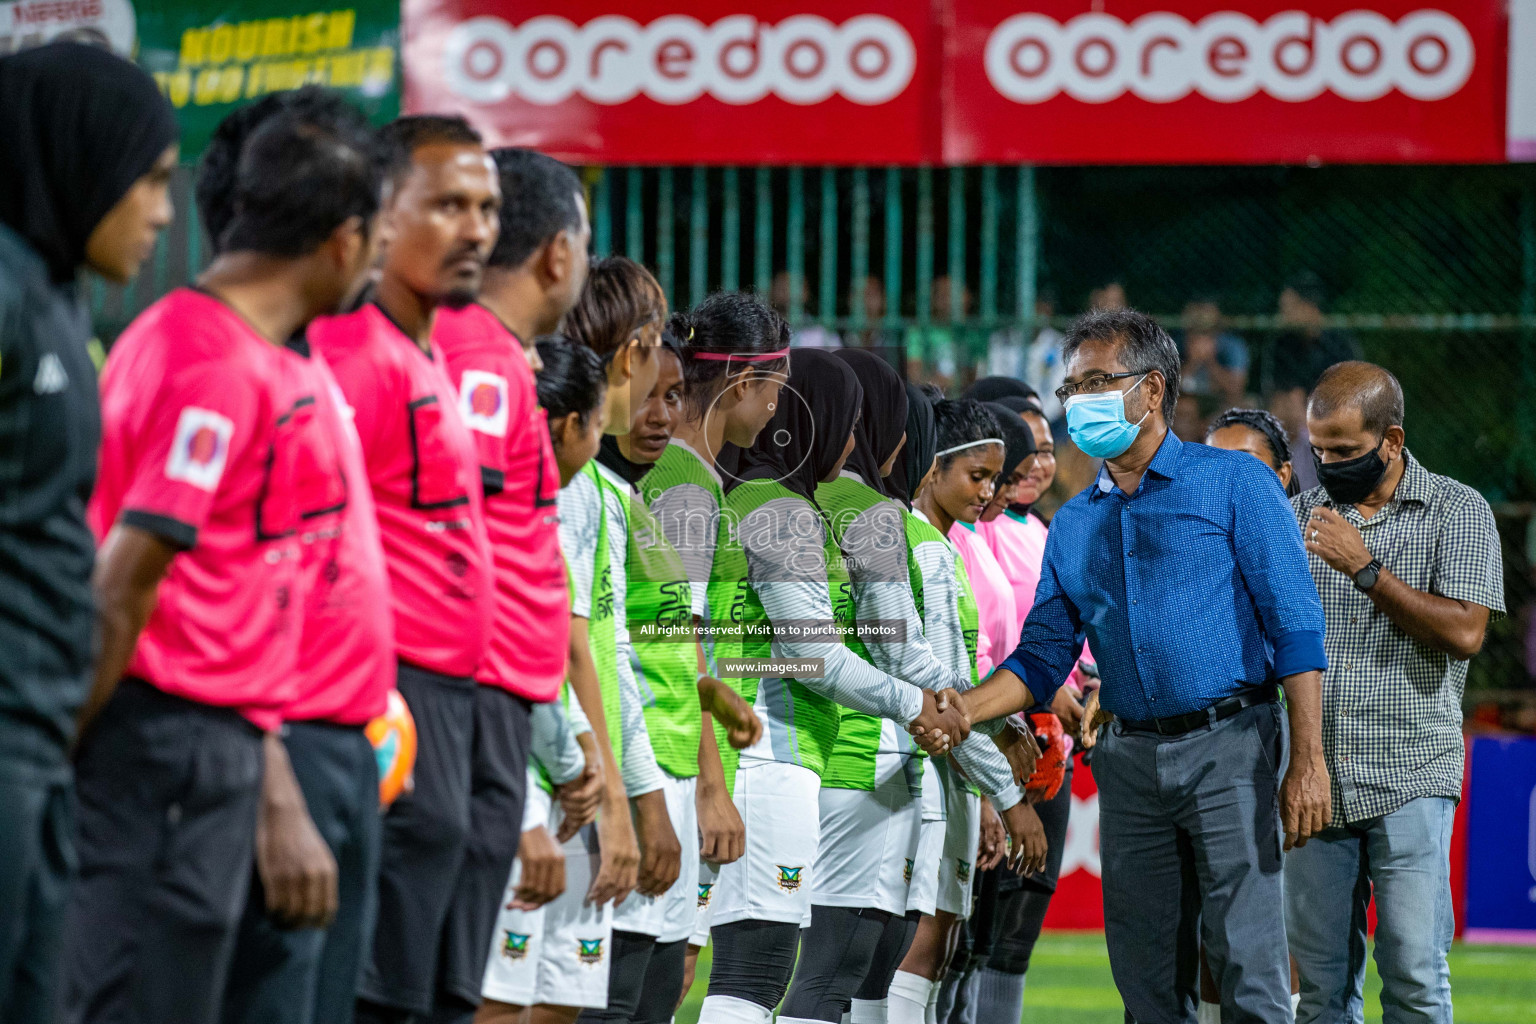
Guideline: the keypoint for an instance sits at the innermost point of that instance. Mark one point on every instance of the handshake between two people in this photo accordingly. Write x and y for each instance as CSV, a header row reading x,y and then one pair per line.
x,y
949,715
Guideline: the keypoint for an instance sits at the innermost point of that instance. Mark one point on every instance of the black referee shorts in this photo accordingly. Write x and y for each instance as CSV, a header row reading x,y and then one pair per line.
x,y
37,857
499,786
168,794
425,834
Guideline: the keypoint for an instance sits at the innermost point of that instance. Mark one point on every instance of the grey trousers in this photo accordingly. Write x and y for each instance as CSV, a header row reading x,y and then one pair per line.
x,y
1190,842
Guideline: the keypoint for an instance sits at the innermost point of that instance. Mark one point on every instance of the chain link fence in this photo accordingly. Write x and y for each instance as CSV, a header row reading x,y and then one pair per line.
x,y
1430,271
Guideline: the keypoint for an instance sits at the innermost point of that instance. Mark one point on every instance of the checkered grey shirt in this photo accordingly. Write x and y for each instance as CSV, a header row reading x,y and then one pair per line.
x,y
1392,707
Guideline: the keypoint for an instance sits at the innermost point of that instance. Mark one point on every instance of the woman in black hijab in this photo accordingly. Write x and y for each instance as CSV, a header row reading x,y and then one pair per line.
x,y
810,434
79,130
82,127
918,453
881,429
1018,448
990,389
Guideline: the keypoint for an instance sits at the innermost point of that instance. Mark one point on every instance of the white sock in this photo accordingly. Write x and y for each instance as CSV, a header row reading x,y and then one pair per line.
x,y
867,1011
1210,1013
792,1020
847,1017
931,1008
730,1010
1295,1003
908,999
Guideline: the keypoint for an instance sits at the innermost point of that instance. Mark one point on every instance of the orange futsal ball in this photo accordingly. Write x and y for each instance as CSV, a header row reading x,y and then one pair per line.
x,y
393,735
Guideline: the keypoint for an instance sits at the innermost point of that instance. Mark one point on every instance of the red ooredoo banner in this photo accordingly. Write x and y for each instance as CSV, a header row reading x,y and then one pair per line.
x,y
969,81
704,81
1146,81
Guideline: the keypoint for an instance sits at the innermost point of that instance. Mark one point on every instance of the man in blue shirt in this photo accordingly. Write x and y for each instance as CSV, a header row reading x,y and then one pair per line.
x,y
1183,568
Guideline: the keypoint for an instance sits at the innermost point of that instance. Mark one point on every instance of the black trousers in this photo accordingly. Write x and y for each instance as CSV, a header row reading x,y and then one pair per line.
x,y
498,789
425,833
37,864
168,794
310,975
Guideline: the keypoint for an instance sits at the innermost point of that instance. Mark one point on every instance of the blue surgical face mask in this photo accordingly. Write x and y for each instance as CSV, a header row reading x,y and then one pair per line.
x,y
1097,423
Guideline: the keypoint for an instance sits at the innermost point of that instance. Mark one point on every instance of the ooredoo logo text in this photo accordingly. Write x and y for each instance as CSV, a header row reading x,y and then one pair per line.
x,y
803,59
1227,56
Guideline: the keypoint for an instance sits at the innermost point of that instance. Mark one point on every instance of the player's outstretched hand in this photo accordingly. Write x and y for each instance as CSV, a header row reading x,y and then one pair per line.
x,y
1093,717
1026,836
661,854
741,724
582,796
992,847
297,870
543,875
722,834
1021,749
618,853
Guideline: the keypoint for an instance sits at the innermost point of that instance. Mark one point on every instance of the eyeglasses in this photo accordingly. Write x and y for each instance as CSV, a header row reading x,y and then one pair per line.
x,y
1094,384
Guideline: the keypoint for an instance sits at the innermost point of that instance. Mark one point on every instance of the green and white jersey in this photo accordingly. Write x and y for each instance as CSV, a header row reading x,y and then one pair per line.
x,y
588,511
942,597
658,622
798,606
686,496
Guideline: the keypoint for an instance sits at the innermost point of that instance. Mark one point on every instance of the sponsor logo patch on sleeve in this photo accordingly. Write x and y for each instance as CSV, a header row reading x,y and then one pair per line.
x,y
483,401
200,448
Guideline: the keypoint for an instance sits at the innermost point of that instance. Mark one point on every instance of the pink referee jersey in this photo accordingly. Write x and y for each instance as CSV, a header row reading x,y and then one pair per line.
x,y
994,599
426,487
500,405
202,430
347,636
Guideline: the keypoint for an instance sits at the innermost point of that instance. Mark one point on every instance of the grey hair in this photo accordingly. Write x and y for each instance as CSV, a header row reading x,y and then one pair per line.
x,y
1142,344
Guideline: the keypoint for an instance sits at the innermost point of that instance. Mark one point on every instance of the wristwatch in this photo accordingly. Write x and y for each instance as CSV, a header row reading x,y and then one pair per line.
x,y
1366,578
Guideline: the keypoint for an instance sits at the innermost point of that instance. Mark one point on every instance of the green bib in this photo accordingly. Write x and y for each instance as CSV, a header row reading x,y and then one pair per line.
x,y
801,724
725,592
851,764
658,603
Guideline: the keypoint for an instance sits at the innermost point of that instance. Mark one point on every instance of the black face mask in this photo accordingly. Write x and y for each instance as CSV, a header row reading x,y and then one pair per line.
x,y
1351,481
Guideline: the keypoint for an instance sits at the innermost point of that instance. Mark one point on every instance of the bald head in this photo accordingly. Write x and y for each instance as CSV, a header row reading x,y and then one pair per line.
x,y
1365,387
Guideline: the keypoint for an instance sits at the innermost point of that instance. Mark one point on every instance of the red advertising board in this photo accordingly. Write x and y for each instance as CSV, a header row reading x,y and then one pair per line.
x,y
684,81
970,81
1213,81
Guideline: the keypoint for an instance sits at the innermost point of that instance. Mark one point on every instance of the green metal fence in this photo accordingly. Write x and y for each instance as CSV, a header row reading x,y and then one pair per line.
x,y
1432,269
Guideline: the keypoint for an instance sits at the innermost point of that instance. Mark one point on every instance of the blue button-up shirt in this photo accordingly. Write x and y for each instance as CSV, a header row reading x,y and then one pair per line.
x,y
1188,591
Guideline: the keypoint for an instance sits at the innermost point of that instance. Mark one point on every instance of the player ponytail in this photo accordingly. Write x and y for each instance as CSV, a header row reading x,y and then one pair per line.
x,y
728,335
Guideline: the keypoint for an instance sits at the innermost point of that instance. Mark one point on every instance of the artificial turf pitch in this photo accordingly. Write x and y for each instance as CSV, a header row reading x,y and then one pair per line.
x,y
1069,983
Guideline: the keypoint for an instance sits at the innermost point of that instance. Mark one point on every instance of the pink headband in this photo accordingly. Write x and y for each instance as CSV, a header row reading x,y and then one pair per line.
x,y
761,357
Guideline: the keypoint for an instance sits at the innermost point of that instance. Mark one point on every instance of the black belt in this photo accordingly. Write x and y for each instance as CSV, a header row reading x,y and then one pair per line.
x,y
1177,725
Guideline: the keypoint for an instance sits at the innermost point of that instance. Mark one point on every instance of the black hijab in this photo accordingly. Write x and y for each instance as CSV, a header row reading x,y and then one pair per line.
x,y
922,442
80,126
883,416
990,389
1018,440
609,455
810,427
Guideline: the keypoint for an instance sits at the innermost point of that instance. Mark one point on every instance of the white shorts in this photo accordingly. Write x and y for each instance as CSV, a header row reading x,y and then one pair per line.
x,y
704,904
558,954
772,880
669,917
923,894
868,843
962,834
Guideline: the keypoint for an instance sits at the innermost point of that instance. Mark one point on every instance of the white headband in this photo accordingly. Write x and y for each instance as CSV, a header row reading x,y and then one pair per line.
x,y
970,444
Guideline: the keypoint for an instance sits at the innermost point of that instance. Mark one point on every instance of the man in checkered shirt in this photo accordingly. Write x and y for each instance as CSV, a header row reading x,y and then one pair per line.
x,y
1407,563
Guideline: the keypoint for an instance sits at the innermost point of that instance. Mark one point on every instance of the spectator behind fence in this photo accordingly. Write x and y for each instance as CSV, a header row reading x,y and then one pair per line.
x,y
1408,566
1215,360
868,292
1299,355
788,290
1038,362
941,351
